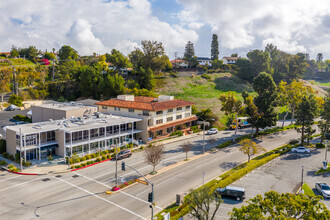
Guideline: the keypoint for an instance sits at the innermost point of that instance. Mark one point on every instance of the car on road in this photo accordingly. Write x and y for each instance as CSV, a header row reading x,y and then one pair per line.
x,y
237,193
324,189
300,150
12,108
124,154
212,131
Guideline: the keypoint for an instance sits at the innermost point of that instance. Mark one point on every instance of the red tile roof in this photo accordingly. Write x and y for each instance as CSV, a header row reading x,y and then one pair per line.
x,y
145,103
178,61
172,124
231,58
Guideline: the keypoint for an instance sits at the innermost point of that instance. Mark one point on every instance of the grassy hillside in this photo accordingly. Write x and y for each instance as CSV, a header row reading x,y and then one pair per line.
x,y
5,62
204,92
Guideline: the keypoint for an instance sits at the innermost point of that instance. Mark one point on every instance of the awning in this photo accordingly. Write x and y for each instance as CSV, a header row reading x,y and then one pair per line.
x,y
173,124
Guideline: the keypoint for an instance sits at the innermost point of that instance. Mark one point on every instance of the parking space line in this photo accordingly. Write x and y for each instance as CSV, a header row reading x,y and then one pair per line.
x,y
10,178
93,194
118,191
20,184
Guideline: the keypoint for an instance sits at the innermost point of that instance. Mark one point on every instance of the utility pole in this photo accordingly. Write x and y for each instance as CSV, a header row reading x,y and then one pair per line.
x,y
20,149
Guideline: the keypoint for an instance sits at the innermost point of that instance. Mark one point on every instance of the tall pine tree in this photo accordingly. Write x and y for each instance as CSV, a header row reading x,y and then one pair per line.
x,y
215,47
189,51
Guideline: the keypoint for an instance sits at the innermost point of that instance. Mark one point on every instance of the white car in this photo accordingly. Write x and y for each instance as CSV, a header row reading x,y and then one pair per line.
x,y
300,150
212,131
324,189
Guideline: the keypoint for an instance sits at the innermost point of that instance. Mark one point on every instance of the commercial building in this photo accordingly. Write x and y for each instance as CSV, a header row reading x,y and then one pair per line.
x,y
161,116
80,135
58,111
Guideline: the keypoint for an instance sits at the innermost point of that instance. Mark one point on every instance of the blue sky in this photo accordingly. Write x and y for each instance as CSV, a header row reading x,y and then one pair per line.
x,y
99,26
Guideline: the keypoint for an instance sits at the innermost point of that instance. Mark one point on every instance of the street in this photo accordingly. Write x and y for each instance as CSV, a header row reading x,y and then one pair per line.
x,y
81,194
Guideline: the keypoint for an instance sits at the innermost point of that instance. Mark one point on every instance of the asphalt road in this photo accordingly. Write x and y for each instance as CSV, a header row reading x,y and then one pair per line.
x,y
5,117
81,194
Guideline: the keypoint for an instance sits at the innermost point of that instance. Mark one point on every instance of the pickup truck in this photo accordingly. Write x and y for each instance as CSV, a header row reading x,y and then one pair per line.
x,y
323,189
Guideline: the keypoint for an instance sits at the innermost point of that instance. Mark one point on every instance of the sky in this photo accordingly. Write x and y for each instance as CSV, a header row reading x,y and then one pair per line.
x,y
102,25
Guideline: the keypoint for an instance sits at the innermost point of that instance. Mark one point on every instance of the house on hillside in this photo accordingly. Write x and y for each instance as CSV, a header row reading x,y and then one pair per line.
x,y
204,61
180,64
229,60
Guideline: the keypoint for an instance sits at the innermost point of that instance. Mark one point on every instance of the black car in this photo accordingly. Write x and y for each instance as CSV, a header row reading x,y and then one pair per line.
x,y
124,154
233,192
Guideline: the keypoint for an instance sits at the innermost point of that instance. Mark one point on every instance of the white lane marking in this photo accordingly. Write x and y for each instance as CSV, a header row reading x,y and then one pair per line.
x,y
20,184
128,173
118,191
9,178
93,194
160,183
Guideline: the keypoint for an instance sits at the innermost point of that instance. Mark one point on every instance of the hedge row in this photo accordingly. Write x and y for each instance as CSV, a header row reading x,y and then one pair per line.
x,y
227,178
16,159
99,159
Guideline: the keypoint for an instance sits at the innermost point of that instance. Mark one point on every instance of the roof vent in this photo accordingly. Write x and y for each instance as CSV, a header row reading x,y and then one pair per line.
x,y
126,97
162,98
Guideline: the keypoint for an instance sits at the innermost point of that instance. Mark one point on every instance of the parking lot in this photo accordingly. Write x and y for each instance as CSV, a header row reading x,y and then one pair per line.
x,y
5,117
282,175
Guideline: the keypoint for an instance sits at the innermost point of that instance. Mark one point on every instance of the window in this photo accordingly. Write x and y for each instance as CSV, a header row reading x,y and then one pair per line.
x,y
160,121
145,113
170,119
130,110
104,107
85,133
102,130
109,130
170,110
179,108
169,130
50,136
187,115
117,109
178,117
116,128
188,107
67,137
159,112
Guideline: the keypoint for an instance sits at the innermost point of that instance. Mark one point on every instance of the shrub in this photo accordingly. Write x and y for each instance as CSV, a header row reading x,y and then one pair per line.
x,y
141,148
108,156
319,145
93,155
2,146
82,159
26,164
16,100
77,166
17,157
104,157
3,163
122,147
5,155
294,142
98,159
88,157
178,133
22,118
11,167
11,157
83,164
71,161
50,158
72,166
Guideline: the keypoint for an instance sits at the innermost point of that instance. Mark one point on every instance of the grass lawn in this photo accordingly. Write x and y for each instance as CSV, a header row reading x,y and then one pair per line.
x,y
320,83
307,190
320,171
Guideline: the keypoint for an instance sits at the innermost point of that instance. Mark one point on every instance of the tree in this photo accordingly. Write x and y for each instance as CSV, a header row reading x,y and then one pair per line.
x,y
151,50
265,87
290,95
319,57
282,206
200,201
14,52
4,81
146,79
309,132
234,55
31,52
186,147
251,109
136,58
16,100
250,148
214,47
67,53
260,60
189,51
231,105
216,64
245,69
306,113
325,115
49,56
118,59
153,155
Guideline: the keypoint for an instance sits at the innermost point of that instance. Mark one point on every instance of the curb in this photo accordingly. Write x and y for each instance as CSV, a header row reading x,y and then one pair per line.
x,y
20,173
89,165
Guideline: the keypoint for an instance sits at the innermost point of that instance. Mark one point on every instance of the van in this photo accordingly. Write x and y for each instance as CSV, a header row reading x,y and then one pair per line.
x,y
232,191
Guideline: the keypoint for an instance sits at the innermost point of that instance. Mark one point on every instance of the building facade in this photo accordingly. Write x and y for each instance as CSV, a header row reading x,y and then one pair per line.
x,y
82,135
161,116
204,61
229,60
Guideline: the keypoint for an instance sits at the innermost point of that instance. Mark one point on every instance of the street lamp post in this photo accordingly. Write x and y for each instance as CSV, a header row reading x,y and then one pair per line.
x,y
302,176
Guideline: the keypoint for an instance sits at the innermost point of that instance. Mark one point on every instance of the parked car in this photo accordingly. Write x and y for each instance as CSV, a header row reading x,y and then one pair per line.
x,y
212,131
324,189
12,108
124,154
300,150
232,191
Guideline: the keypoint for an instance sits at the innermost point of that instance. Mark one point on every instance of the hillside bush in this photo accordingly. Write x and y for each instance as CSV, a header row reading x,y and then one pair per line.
x,y
16,100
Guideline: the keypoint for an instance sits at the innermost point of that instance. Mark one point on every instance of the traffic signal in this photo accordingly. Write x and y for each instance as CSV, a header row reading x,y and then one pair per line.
x,y
151,197
123,166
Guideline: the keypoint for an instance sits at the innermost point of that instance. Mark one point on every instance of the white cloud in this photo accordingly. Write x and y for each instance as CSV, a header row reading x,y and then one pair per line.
x,y
88,25
292,25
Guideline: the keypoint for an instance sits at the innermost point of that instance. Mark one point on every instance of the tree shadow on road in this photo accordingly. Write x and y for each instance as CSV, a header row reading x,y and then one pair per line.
x,y
297,156
228,165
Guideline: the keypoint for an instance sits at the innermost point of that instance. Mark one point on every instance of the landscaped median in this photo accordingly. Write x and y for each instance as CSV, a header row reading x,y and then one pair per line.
x,y
227,178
